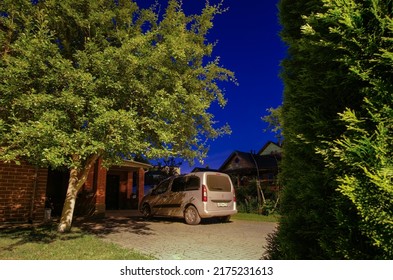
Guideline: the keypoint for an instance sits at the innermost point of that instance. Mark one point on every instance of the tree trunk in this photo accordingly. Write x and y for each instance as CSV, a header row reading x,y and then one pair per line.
x,y
69,203
260,197
77,178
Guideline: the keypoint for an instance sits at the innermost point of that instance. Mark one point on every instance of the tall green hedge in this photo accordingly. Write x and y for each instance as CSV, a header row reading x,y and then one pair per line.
x,y
337,124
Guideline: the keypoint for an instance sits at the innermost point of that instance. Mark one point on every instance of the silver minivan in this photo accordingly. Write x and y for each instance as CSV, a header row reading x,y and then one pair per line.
x,y
193,197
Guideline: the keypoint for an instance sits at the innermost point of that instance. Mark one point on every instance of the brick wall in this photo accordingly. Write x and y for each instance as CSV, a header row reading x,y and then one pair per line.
x,y
17,190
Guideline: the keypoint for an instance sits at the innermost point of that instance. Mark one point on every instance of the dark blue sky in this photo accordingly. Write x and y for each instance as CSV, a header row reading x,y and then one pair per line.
x,y
248,44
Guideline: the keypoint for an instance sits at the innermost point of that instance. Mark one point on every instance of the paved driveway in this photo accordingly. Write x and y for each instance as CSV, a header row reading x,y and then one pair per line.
x,y
172,239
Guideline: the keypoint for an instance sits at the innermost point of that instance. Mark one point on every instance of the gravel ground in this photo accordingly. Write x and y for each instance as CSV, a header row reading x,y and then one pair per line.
x,y
172,239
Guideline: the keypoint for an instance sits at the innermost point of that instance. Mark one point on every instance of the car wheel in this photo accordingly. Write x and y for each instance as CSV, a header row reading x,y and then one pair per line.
x,y
191,216
146,211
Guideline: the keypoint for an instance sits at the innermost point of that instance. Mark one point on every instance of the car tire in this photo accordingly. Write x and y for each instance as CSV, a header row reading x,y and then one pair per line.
x,y
191,216
146,211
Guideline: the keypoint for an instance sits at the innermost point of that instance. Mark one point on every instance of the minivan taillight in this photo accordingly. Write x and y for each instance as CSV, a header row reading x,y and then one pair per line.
x,y
234,195
204,193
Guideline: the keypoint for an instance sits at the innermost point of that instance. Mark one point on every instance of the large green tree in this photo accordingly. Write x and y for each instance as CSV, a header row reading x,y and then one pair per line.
x,y
337,126
81,79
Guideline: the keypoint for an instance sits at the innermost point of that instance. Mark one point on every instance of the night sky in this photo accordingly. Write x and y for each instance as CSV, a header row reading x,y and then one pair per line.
x,y
248,44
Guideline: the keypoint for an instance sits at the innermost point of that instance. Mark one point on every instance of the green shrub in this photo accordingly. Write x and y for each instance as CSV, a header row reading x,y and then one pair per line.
x,y
247,201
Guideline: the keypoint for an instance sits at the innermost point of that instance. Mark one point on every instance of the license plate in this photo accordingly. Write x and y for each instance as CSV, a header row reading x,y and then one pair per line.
x,y
222,204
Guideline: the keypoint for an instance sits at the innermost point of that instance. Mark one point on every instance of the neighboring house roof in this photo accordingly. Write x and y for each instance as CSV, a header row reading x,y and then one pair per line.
x,y
202,169
270,148
248,161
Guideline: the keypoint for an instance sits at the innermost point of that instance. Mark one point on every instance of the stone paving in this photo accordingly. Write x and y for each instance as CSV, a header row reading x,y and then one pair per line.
x,y
172,239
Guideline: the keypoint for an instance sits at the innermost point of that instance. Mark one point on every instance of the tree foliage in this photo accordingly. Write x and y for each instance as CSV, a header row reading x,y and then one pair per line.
x,y
274,121
85,79
365,150
337,126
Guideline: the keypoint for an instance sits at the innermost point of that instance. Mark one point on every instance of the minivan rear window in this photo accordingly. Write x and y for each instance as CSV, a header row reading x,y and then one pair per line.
x,y
218,183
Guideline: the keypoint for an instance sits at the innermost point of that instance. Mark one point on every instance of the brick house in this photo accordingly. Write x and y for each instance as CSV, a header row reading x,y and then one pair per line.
x,y
24,190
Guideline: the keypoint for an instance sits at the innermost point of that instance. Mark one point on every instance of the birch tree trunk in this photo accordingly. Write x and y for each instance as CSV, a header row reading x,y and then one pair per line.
x,y
77,178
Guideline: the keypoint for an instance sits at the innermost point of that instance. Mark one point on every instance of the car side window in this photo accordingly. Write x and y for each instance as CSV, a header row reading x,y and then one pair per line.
x,y
192,184
178,184
161,188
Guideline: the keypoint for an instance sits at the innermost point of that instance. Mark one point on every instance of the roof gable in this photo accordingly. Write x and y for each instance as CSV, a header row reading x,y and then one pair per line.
x,y
270,148
241,160
237,160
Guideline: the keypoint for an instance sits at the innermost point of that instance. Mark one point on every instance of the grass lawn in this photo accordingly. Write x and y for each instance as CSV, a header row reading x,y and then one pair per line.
x,y
44,243
255,217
